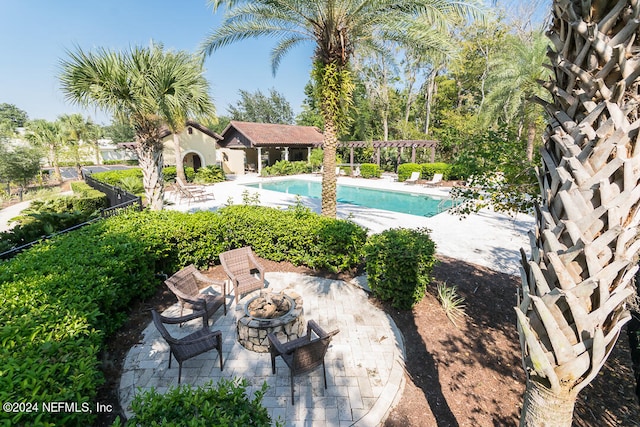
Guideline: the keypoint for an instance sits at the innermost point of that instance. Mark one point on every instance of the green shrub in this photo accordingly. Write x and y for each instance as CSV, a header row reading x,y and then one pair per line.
x,y
169,173
225,404
370,170
284,167
121,162
116,176
61,298
47,216
132,184
399,264
429,169
405,170
209,175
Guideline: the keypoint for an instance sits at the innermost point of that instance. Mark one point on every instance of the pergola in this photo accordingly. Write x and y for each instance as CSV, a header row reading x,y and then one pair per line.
x,y
401,144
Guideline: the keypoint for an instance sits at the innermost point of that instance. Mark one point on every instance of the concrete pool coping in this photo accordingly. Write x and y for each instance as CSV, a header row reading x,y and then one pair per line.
x,y
488,238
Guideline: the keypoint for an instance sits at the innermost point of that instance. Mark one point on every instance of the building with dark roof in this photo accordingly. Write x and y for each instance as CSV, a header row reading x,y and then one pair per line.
x,y
265,143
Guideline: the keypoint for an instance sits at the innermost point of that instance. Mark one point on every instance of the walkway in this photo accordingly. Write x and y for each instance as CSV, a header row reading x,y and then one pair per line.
x,y
365,371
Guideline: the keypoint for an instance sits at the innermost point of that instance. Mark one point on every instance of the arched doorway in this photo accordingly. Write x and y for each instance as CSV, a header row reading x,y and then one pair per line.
x,y
193,160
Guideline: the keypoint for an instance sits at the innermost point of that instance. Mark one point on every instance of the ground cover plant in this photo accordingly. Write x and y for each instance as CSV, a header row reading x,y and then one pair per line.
x,y
46,216
225,404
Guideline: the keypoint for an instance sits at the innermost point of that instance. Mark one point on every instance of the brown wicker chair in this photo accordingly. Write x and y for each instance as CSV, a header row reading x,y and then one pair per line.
x,y
304,354
190,346
239,265
184,285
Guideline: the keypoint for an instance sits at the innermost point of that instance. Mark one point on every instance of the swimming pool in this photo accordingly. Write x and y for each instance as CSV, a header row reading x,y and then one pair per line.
x,y
395,201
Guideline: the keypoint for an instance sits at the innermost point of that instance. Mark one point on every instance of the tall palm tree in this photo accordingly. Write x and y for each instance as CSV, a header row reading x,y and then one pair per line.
x,y
513,83
76,130
191,102
337,28
48,135
584,250
142,87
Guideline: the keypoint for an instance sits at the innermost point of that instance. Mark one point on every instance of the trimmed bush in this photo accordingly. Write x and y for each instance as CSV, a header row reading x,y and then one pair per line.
x,y
429,169
406,169
370,170
114,177
225,404
399,263
60,299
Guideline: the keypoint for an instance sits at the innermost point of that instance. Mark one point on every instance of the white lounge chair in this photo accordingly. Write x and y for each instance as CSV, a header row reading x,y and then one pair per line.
x,y
415,176
436,180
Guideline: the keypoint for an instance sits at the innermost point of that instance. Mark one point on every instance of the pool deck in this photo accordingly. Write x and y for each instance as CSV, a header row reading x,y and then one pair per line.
x,y
488,238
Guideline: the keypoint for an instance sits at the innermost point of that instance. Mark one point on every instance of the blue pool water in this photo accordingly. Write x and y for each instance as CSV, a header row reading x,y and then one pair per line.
x,y
409,203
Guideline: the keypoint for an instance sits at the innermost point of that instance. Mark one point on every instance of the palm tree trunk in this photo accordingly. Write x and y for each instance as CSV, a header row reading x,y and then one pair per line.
x,y
150,160
531,139
584,250
329,179
179,164
542,407
53,152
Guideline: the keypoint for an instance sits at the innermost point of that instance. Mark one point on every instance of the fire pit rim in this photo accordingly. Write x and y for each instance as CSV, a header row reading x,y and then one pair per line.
x,y
292,306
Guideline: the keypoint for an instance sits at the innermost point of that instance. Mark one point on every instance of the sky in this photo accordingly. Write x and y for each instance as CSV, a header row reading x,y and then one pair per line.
x,y
35,35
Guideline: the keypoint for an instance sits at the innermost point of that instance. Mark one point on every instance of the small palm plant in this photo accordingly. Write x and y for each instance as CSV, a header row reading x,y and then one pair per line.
x,y
452,303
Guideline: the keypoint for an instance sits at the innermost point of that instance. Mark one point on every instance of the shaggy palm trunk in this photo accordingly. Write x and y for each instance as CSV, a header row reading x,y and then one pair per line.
x,y
583,251
150,160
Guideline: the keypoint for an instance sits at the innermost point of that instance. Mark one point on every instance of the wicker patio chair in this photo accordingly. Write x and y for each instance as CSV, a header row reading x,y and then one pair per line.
x,y
304,354
239,264
184,285
190,346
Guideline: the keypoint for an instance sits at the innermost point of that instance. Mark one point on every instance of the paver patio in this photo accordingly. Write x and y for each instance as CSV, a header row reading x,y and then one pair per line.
x,y
365,370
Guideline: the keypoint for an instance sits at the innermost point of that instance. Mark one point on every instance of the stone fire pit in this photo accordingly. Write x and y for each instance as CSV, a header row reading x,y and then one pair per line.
x,y
281,313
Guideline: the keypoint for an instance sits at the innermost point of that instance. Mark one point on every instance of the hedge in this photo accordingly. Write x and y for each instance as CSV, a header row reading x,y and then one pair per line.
x,y
429,169
406,169
370,170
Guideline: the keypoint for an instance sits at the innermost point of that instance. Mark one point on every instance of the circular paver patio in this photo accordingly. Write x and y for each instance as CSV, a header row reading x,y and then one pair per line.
x,y
365,369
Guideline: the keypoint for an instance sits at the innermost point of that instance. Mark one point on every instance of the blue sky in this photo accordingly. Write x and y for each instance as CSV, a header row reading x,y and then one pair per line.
x,y
35,35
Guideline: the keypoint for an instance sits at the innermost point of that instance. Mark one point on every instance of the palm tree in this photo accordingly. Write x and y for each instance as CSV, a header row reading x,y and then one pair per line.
x,y
513,82
192,102
143,87
337,28
48,135
76,130
584,251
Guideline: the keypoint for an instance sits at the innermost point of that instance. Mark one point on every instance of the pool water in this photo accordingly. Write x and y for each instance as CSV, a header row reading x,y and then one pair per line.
x,y
395,201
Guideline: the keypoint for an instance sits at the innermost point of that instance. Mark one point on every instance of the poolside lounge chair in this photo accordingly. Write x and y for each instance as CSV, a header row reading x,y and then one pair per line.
x,y
415,176
190,346
304,354
192,192
241,266
184,285
436,180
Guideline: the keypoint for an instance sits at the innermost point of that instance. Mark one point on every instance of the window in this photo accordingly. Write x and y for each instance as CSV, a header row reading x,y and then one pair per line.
x,y
190,130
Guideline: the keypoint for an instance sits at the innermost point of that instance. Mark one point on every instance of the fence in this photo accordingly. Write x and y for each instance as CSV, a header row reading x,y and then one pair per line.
x,y
119,201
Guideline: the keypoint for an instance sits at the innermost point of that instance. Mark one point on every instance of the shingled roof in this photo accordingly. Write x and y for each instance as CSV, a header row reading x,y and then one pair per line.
x,y
269,135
